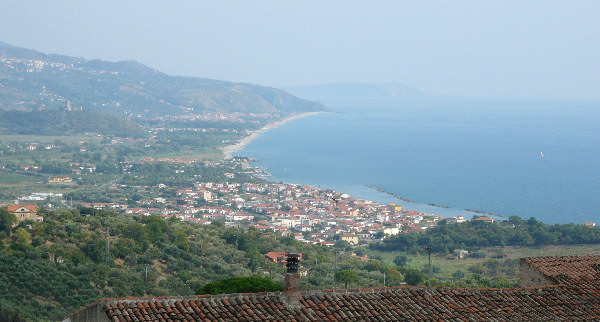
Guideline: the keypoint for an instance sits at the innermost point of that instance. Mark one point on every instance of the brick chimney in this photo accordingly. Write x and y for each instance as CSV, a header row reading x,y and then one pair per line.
x,y
292,281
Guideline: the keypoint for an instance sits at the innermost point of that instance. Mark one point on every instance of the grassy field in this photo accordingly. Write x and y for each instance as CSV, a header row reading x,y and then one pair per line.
x,y
12,178
449,266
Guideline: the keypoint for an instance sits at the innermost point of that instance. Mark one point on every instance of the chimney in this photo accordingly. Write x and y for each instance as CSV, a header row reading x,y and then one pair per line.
x,y
292,281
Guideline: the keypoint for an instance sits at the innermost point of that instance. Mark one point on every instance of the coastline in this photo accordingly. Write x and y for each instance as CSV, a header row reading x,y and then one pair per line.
x,y
439,210
229,150
433,209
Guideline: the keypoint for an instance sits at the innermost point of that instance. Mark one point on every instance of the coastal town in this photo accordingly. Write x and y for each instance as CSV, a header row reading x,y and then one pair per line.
x,y
237,195
309,214
236,161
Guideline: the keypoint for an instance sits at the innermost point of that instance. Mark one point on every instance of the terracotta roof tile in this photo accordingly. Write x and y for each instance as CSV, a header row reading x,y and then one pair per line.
x,y
576,297
573,267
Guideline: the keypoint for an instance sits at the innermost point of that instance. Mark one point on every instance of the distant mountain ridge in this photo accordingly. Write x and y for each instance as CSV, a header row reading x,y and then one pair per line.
x,y
356,93
31,80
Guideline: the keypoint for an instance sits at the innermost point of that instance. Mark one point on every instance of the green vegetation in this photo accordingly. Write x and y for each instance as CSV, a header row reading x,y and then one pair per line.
x,y
347,277
400,260
78,255
94,162
473,235
52,268
244,284
45,139
59,122
413,276
6,221
494,250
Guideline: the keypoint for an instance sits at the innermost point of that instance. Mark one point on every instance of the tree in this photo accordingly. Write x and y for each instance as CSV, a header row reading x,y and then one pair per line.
x,y
38,228
37,241
245,284
458,275
347,276
342,245
136,232
400,260
155,227
434,269
393,277
256,261
360,251
23,236
515,220
181,240
413,277
7,220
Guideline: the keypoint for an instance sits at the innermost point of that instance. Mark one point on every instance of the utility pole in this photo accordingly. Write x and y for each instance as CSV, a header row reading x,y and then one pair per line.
x,y
383,279
107,245
428,249
335,269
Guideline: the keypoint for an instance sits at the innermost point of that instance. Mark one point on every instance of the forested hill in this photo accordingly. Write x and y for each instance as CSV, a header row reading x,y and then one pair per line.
x,y
51,268
31,80
67,123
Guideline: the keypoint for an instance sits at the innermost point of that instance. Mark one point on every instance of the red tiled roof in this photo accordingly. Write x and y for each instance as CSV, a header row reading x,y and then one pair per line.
x,y
573,267
577,297
12,208
389,304
275,255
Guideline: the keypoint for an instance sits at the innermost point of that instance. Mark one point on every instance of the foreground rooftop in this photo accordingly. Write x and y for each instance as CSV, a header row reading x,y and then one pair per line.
x,y
565,290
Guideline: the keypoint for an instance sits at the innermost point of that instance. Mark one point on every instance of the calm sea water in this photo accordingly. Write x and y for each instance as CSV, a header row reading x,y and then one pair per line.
x,y
483,155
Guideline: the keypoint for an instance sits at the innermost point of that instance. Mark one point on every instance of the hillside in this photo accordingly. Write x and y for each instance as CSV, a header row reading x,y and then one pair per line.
x,y
62,122
31,80
52,268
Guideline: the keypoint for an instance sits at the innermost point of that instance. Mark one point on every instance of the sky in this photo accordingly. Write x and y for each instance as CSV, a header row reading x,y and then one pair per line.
x,y
538,49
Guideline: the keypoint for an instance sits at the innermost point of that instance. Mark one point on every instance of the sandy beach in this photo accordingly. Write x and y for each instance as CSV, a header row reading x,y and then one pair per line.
x,y
229,150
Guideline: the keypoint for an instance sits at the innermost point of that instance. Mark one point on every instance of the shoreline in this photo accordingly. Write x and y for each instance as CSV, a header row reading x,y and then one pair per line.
x,y
433,209
229,150
436,209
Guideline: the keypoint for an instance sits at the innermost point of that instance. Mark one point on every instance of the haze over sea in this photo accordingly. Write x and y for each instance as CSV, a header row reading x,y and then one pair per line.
x,y
463,154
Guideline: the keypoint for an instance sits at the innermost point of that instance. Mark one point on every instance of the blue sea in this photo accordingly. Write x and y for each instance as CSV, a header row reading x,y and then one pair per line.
x,y
528,158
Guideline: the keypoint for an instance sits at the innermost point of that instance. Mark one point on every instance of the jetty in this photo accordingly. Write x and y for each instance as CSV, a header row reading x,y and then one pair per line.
x,y
389,193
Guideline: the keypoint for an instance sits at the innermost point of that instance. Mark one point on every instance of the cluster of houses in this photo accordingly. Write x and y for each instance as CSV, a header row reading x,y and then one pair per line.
x,y
309,214
215,116
169,160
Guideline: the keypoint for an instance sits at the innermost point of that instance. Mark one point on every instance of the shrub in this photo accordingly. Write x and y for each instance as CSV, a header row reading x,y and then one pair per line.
x,y
246,284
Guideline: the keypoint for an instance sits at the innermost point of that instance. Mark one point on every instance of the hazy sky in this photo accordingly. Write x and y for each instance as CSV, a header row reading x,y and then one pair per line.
x,y
469,48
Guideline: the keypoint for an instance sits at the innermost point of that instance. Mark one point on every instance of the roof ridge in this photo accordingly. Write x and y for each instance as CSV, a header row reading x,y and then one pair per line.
x,y
536,258
309,293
